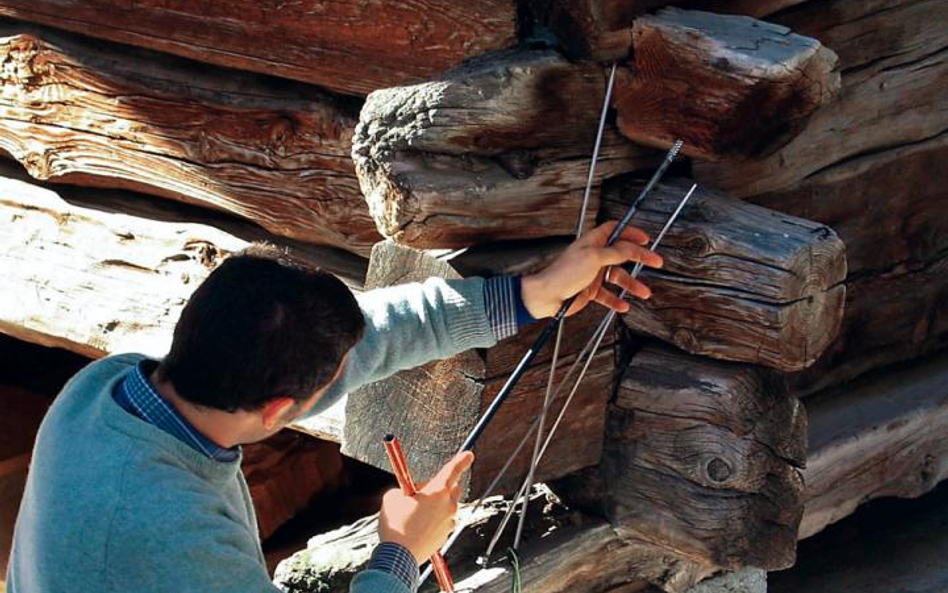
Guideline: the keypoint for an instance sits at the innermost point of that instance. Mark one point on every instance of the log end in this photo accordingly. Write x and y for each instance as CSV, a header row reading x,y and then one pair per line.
x,y
816,296
705,458
728,85
492,150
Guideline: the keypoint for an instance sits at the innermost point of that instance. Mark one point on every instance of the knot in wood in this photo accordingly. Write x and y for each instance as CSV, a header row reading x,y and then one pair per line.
x,y
696,246
718,470
685,338
22,64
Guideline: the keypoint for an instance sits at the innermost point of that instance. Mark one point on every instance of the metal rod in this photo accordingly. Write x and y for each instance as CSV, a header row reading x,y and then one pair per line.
x,y
400,466
581,225
596,147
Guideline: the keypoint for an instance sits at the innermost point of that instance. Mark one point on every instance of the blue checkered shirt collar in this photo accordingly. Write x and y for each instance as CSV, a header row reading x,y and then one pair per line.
x,y
137,396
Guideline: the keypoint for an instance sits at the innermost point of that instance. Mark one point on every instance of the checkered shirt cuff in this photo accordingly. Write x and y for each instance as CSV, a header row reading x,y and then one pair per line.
x,y
396,560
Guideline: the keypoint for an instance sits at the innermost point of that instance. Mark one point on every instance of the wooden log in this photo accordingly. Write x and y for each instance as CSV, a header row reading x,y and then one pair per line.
x,y
432,408
891,217
77,275
726,85
891,316
601,30
891,95
740,282
285,472
884,205
576,553
702,458
97,114
335,45
497,149
883,435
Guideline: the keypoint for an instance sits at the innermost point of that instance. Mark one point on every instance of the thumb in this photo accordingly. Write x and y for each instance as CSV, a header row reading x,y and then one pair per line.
x,y
451,473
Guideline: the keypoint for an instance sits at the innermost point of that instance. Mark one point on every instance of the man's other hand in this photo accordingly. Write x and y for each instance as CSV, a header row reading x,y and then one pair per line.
x,y
422,522
580,270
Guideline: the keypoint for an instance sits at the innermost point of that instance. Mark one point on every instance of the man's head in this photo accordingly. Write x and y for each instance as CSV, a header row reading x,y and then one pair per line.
x,y
262,329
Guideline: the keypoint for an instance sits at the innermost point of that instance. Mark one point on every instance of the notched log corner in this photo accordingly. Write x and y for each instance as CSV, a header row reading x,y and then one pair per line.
x,y
728,85
495,149
704,458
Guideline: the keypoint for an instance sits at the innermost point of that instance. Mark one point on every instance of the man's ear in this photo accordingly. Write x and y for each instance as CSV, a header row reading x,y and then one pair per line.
x,y
275,411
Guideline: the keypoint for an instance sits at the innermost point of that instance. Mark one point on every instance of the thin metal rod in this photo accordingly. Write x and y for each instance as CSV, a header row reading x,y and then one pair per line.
x,y
541,340
581,225
596,339
598,145
535,458
524,489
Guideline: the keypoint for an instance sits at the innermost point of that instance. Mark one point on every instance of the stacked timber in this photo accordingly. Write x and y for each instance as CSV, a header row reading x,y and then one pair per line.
x,y
813,253
869,166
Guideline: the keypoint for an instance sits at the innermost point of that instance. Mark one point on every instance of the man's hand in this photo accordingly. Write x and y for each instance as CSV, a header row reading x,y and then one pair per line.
x,y
580,270
422,522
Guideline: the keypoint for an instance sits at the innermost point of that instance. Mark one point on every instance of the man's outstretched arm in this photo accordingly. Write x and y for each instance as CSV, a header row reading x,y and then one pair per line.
x,y
411,324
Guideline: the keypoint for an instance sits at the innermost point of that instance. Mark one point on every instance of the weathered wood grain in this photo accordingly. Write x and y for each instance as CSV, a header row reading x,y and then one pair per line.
x,y
893,315
883,435
433,407
891,216
894,74
887,207
80,275
497,149
92,113
726,85
347,46
563,551
702,457
740,282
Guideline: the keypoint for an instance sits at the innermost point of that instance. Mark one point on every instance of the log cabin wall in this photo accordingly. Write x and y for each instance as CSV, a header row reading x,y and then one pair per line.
x,y
153,140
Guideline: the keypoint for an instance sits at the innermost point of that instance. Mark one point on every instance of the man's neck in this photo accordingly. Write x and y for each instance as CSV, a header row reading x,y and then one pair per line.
x,y
217,425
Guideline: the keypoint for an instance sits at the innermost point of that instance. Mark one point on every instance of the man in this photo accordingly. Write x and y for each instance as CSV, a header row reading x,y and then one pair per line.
x,y
135,483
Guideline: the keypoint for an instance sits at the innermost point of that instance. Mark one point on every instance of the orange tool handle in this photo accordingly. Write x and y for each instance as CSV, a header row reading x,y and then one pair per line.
x,y
400,467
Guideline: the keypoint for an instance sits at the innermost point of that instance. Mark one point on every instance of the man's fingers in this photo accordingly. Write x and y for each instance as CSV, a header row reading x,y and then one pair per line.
x,y
607,299
635,235
600,235
623,279
624,252
452,471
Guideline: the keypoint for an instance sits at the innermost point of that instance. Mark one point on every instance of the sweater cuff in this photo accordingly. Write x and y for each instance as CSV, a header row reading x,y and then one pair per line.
x,y
396,560
466,315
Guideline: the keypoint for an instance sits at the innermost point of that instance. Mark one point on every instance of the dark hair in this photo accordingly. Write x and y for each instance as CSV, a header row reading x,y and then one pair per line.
x,y
260,327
